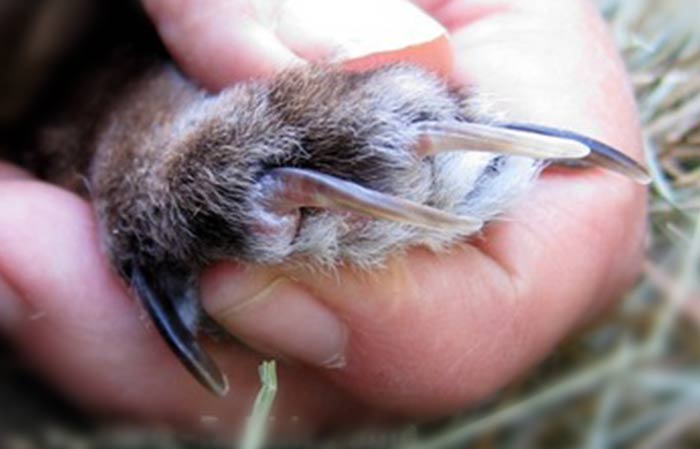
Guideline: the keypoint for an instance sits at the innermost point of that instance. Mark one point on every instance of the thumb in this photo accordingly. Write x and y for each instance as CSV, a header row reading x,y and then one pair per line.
x,y
220,42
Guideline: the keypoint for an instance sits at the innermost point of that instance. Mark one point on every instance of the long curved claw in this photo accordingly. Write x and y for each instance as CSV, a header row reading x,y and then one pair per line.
x,y
288,188
601,155
466,136
167,297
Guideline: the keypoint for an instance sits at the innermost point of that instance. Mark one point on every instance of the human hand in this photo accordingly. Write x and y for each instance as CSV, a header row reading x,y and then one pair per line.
x,y
425,336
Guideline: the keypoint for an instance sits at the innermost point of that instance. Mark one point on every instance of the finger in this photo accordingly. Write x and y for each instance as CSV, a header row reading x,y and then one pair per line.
x,y
220,42
72,317
432,333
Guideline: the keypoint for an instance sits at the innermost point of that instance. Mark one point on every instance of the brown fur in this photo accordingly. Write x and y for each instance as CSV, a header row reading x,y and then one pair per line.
x,y
175,167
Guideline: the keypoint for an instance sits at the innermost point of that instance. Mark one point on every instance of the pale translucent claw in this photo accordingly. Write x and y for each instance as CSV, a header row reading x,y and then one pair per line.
x,y
466,136
288,188
602,155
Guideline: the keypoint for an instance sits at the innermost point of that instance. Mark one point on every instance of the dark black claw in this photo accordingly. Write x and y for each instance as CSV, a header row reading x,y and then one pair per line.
x,y
168,297
601,155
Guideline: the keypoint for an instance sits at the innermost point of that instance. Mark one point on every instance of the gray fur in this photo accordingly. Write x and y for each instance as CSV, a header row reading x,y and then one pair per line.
x,y
175,169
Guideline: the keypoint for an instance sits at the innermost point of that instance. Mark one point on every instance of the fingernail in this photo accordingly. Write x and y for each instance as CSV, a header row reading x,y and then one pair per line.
x,y
12,310
277,316
341,30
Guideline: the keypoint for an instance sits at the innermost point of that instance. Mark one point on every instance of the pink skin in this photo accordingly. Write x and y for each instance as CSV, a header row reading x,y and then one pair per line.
x,y
426,336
